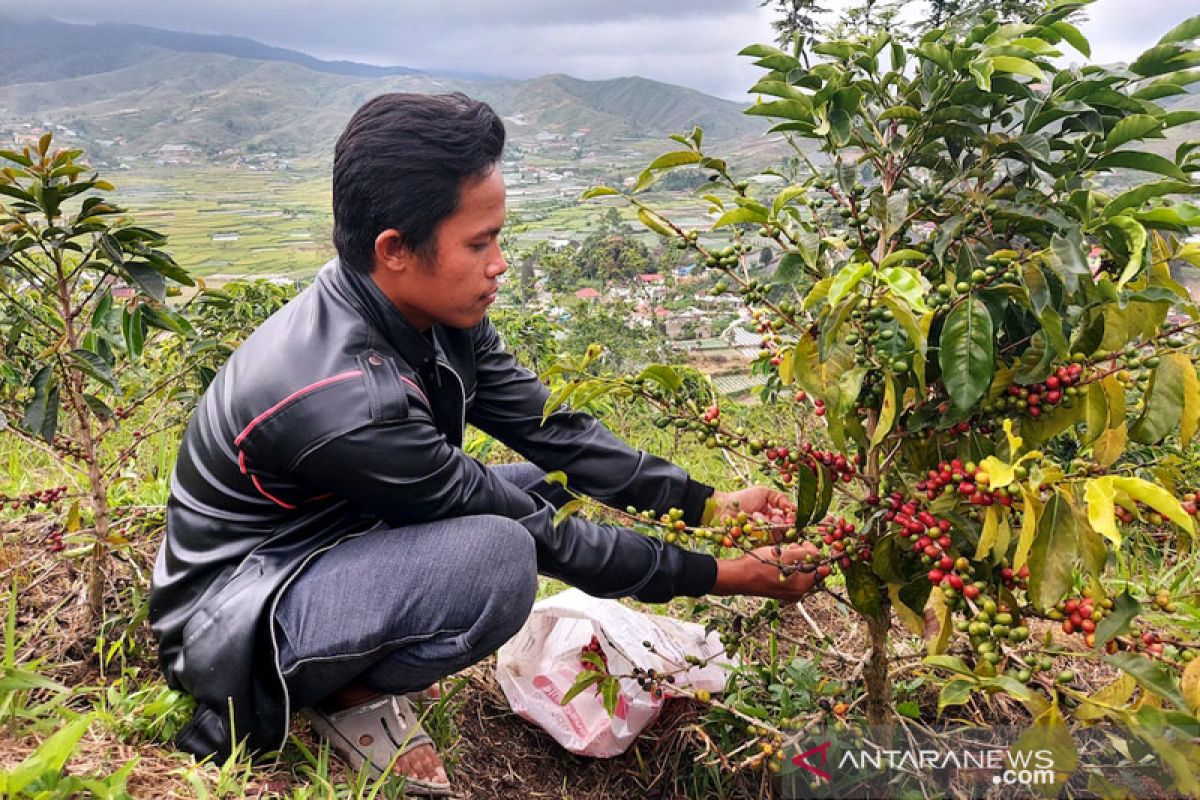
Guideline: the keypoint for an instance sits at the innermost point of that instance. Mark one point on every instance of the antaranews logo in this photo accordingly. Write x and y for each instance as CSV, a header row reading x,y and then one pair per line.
x,y
847,764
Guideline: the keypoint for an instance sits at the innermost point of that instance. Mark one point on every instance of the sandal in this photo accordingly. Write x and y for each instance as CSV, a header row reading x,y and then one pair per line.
x,y
376,734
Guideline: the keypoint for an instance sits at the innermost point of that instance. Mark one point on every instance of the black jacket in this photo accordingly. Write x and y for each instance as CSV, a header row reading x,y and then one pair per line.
x,y
337,417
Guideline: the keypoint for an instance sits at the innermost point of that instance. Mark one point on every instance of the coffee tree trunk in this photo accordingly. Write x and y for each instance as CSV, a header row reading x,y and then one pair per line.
x,y
875,674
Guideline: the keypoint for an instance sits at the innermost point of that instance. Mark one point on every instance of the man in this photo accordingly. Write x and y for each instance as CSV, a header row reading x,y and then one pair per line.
x,y
329,545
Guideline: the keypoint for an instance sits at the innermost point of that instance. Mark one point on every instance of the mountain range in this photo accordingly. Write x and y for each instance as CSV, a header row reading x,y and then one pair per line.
x,y
141,89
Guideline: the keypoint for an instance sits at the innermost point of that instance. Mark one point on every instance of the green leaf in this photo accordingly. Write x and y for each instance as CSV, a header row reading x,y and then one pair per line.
x,y
1183,32
133,327
664,376
907,283
1145,162
901,256
1068,259
1165,399
655,223
1073,37
148,278
566,510
863,589
41,414
799,110
845,281
1132,128
94,366
1135,198
50,757
1054,553
1124,611
742,214
966,353
955,692
1151,675
1018,66
598,191
807,486
583,680
1161,59
900,112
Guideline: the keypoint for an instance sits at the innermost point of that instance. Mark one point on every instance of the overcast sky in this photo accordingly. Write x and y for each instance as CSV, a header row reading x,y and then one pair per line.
x,y
687,42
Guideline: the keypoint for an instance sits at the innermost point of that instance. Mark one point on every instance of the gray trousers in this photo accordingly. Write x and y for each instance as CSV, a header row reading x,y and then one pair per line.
x,y
398,609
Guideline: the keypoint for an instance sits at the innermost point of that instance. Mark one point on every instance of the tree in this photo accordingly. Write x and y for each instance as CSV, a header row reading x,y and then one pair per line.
x,y
1006,420
796,17
72,366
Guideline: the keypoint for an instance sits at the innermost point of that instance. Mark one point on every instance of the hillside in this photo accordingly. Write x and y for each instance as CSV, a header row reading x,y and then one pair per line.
x,y
126,91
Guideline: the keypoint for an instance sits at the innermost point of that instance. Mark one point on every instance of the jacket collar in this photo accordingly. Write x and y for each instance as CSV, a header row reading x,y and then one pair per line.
x,y
419,351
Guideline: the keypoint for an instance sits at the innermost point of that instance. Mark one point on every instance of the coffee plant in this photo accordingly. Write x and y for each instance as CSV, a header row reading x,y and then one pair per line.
x,y
974,294
72,369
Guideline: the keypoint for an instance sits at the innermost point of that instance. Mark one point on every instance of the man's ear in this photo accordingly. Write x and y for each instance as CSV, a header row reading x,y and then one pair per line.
x,y
390,252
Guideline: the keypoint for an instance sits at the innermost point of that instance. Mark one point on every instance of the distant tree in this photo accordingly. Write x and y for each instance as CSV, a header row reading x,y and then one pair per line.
x,y
796,17
608,256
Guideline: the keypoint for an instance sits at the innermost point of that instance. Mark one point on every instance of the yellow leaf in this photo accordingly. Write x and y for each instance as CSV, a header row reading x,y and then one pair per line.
x,y
911,619
1014,441
945,618
1190,420
1116,694
1029,521
887,413
991,527
1157,498
1110,445
1099,496
1003,536
1190,685
73,518
999,473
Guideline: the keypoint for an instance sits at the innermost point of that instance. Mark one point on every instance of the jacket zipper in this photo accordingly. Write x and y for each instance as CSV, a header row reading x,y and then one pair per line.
x,y
462,425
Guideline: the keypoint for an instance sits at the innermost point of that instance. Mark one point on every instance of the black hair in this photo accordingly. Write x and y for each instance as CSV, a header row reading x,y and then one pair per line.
x,y
400,163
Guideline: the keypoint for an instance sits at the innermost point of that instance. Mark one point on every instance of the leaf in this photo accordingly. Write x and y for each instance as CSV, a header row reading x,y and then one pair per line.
x,y
1134,234
887,412
1132,128
598,191
845,281
1151,675
566,510
654,223
1189,686
1069,260
1161,59
1171,392
807,485
1099,495
1072,36
791,108
1156,497
1018,66
955,693
1124,611
891,210
1183,32
900,112
863,589
583,680
742,214
41,414
95,366
50,757
1048,737
133,327
900,256
1146,162
1054,553
1116,694
966,353
1134,198
663,375
907,283
1029,526
991,530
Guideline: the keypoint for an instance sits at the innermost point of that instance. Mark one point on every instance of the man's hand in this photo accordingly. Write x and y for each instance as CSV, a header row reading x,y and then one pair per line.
x,y
765,505
756,499
759,576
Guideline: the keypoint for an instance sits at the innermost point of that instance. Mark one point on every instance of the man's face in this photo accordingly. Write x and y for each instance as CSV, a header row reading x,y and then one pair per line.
x,y
456,287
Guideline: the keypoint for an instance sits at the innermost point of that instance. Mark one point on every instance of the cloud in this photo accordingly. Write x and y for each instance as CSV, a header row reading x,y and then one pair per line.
x,y
688,42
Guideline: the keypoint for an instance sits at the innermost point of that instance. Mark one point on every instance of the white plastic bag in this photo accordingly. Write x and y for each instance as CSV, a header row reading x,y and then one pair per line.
x,y
538,666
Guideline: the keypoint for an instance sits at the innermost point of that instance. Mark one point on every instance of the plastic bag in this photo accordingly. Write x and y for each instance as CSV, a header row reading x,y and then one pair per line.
x,y
538,666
